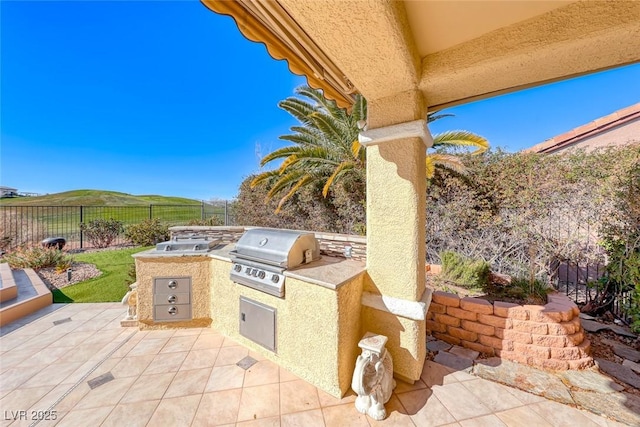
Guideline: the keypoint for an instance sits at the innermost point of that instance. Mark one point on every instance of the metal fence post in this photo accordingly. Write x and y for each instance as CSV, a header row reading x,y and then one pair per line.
x,y
202,210
226,215
81,221
150,211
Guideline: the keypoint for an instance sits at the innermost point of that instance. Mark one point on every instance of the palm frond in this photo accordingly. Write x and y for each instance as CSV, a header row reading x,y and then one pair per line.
x,y
461,137
306,179
337,172
432,116
446,161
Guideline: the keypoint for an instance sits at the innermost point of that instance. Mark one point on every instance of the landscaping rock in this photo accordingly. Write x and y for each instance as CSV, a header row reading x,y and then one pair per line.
x,y
591,326
620,372
464,352
623,407
622,331
523,377
589,380
622,350
585,316
452,361
438,345
633,365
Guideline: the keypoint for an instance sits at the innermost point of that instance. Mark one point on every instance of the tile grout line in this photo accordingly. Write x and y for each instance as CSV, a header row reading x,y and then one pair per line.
x,y
84,377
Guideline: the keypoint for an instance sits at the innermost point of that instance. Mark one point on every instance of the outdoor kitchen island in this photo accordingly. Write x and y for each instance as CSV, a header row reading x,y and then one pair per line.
x,y
316,325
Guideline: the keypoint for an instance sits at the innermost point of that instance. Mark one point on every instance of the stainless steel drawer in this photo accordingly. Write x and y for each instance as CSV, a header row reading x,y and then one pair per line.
x,y
258,323
172,313
172,298
162,285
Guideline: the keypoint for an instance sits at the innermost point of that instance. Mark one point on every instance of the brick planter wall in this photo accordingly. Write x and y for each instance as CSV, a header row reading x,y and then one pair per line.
x,y
548,337
331,244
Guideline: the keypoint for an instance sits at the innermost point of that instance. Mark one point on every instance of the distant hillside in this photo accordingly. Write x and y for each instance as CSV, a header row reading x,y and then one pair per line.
x,y
95,198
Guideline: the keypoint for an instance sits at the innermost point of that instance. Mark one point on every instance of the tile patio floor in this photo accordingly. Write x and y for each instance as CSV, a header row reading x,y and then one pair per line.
x,y
189,377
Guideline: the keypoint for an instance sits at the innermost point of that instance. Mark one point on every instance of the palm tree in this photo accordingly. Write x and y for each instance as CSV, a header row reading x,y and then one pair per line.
x,y
448,139
325,150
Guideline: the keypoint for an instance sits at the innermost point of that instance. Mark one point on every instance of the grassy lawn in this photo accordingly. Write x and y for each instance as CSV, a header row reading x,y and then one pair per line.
x,y
109,286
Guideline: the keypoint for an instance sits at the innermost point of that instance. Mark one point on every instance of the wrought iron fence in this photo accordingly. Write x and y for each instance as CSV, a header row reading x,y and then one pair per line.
x,y
29,225
581,281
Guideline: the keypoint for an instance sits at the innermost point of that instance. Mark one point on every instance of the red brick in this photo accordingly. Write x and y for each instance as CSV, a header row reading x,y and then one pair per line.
x,y
532,350
530,327
538,313
462,334
445,298
435,326
429,315
515,336
568,353
501,308
476,305
496,343
484,349
564,311
477,327
564,328
498,322
553,341
461,314
583,363
549,364
446,320
447,338
575,339
518,313
434,307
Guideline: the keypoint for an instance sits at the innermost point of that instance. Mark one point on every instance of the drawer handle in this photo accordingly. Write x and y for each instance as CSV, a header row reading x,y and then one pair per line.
x,y
173,284
172,311
172,299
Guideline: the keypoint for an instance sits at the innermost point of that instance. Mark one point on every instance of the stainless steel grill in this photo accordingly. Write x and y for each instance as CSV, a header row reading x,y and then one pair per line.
x,y
263,254
187,244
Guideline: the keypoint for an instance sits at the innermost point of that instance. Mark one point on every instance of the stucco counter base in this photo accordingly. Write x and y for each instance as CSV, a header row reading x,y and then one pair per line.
x,y
317,322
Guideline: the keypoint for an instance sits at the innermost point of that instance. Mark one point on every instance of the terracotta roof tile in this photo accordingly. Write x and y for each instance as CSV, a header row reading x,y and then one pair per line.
x,y
595,127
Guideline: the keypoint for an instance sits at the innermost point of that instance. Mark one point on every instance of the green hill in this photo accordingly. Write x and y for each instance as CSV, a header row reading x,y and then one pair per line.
x,y
95,198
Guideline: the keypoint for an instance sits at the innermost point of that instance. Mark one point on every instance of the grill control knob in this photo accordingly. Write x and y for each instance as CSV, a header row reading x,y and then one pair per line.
x,y
261,275
275,278
172,284
173,311
254,273
248,270
237,268
171,299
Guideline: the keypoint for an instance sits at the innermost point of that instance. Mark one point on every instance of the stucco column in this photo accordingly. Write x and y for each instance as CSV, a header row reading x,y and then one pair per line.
x,y
396,199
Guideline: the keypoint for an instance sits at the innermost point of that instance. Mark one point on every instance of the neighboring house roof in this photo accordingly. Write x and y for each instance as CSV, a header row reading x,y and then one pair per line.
x,y
590,130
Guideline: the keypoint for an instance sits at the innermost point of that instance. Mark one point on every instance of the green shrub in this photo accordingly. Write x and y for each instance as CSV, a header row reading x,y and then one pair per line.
x,y
37,257
211,221
101,232
466,272
532,291
147,233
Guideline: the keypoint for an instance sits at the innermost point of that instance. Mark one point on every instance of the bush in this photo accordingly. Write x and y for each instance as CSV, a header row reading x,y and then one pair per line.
x,y
37,257
102,232
211,221
466,272
147,233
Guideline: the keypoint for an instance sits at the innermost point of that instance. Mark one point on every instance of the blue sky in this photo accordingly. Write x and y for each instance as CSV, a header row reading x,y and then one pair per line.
x,y
169,98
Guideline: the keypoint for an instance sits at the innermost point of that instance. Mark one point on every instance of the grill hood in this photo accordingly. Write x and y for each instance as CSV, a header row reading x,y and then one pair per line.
x,y
282,248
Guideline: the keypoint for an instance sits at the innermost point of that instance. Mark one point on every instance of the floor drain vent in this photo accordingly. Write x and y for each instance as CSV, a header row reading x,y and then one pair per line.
x,y
102,379
61,321
247,362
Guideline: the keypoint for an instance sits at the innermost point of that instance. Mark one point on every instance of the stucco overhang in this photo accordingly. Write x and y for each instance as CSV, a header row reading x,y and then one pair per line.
x,y
453,52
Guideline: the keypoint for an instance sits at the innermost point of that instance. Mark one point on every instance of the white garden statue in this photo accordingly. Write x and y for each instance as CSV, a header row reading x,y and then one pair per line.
x,y
131,299
373,376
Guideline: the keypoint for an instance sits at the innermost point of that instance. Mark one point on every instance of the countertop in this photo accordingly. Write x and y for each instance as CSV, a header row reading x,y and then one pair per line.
x,y
328,272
